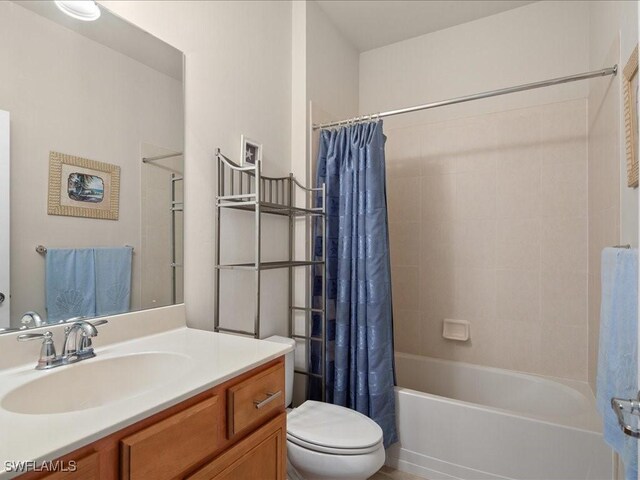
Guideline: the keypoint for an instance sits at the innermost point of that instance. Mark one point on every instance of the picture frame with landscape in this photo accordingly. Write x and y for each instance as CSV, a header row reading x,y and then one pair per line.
x,y
80,187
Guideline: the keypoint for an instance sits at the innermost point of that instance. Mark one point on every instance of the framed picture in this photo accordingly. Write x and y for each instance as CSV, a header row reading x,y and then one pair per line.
x,y
79,187
250,152
630,95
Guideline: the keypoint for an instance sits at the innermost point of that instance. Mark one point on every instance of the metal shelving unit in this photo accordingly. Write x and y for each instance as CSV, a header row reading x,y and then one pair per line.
x,y
245,188
176,207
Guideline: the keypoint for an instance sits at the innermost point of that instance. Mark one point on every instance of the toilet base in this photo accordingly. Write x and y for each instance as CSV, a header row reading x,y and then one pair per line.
x,y
309,465
292,473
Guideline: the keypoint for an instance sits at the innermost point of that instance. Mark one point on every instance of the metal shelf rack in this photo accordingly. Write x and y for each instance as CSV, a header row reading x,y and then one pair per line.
x,y
245,188
176,207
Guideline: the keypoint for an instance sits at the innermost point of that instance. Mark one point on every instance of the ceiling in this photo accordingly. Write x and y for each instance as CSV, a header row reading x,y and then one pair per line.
x,y
369,24
117,34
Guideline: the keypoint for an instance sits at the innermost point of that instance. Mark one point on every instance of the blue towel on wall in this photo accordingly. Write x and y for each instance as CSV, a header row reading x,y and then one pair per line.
x,y
618,351
113,280
87,282
70,283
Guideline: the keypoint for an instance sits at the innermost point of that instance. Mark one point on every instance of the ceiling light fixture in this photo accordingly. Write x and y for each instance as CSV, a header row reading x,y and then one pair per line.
x,y
85,10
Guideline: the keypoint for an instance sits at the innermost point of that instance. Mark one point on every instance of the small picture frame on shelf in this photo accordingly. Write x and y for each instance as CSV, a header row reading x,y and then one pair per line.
x,y
250,152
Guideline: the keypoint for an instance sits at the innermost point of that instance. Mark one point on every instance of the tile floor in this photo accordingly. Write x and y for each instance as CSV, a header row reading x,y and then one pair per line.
x,y
385,473
388,473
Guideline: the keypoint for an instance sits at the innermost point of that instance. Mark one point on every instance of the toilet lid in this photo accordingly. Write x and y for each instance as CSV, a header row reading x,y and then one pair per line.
x,y
326,426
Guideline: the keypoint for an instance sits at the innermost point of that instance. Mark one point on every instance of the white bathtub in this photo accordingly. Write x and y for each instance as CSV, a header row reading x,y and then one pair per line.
x,y
462,421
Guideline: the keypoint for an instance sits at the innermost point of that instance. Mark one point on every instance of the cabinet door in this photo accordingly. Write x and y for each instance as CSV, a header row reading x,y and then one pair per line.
x,y
87,468
168,448
262,455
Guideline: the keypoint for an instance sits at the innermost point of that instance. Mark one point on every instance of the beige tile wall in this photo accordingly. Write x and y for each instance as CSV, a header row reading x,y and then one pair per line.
x,y
488,223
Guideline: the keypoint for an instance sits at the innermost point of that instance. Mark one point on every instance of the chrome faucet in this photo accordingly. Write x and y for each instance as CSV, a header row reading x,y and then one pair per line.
x,y
77,340
77,344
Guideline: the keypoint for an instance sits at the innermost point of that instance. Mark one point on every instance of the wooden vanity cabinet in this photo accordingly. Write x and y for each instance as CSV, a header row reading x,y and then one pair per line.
x,y
235,431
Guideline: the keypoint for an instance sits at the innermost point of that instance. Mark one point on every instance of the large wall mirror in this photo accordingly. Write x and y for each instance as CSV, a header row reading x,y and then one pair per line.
x,y
91,131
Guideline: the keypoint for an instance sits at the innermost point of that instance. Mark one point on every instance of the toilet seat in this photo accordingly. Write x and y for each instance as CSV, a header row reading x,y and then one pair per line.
x,y
332,429
332,450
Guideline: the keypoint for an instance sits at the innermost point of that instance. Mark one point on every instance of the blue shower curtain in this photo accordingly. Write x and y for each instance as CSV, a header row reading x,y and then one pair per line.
x,y
359,363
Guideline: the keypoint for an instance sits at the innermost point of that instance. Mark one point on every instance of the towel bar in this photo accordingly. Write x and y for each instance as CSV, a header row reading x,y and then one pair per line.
x,y
42,249
621,405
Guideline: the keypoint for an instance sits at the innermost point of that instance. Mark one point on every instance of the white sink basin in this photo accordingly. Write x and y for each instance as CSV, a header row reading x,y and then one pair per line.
x,y
94,383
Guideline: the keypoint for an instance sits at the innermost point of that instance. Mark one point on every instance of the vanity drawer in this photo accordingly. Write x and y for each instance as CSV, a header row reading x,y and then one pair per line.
x,y
255,399
174,444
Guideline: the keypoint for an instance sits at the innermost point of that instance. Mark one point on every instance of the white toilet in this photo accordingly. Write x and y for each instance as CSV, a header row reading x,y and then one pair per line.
x,y
329,442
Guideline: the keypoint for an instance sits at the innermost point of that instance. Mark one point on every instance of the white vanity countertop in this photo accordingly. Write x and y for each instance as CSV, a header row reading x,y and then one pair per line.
x,y
214,359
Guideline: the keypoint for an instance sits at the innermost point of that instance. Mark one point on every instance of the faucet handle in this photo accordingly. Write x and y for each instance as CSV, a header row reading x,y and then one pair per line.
x,y
48,357
25,337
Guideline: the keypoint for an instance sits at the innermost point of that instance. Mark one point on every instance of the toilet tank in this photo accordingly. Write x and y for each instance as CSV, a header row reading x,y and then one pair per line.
x,y
288,366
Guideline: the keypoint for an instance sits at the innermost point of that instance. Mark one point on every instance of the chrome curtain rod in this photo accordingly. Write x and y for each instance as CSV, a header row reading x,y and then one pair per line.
x,y
160,157
493,93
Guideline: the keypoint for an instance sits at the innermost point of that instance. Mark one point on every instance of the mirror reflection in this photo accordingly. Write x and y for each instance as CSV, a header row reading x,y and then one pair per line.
x,y
91,138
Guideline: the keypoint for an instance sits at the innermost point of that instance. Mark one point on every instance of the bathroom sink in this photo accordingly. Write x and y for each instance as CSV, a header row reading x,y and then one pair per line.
x,y
96,383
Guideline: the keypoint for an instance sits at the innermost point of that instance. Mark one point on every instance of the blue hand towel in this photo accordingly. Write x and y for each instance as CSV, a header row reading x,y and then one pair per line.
x,y
618,351
113,280
70,284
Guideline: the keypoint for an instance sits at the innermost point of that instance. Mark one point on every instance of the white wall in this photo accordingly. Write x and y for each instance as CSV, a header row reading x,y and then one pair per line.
x,y
332,66
610,20
332,76
325,69
238,80
536,42
70,94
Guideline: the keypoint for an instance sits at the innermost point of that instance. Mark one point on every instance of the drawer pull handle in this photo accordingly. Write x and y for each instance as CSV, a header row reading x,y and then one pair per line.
x,y
270,398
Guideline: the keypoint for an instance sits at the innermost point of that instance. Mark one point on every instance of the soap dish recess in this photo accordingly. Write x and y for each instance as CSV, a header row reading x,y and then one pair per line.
x,y
458,330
